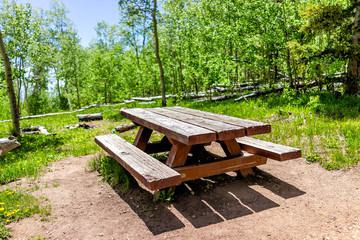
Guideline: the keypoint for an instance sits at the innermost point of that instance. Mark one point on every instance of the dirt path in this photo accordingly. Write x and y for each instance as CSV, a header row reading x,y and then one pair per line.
x,y
289,200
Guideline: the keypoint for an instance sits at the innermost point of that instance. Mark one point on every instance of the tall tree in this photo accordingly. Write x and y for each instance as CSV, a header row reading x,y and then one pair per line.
x,y
149,10
353,74
10,88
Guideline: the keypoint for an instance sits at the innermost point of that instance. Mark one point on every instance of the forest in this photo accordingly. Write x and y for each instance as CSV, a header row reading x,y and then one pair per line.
x,y
291,66
177,47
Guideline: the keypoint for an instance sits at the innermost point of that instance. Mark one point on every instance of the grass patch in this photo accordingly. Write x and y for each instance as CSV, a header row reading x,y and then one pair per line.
x,y
15,205
112,172
37,151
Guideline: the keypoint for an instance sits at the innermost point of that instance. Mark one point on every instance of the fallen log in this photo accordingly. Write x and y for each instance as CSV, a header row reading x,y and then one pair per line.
x,y
88,117
279,89
7,144
221,98
125,127
36,130
79,125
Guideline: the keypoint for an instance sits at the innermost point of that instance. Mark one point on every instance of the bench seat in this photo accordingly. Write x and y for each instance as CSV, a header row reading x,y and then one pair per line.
x,y
149,171
267,149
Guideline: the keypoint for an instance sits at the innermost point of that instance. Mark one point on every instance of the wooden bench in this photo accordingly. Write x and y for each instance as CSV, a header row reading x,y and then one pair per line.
x,y
267,149
149,171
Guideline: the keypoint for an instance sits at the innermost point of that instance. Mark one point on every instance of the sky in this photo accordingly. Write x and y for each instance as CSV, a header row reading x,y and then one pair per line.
x,y
85,14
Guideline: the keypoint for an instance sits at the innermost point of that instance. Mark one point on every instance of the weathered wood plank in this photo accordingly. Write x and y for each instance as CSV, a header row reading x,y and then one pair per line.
x,y
7,144
251,127
223,131
148,170
268,149
178,153
246,161
88,117
172,128
142,138
231,148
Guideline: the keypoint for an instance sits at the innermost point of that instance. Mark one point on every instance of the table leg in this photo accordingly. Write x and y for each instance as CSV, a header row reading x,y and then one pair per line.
x,y
178,153
142,138
232,148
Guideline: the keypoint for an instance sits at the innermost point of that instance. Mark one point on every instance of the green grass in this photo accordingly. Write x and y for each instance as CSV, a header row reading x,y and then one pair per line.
x,y
37,151
15,205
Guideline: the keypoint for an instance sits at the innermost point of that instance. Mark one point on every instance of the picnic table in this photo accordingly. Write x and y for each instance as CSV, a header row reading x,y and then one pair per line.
x,y
186,133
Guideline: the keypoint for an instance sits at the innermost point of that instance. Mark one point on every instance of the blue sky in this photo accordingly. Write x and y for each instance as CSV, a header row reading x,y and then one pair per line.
x,y
85,14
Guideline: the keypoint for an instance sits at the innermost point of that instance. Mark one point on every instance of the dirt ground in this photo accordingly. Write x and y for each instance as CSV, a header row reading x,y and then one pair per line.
x,y
285,200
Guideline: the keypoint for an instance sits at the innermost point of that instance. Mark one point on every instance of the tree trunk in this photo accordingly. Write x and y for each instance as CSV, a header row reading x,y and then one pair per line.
x,y
58,86
10,88
77,93
68,99
181,78
27,99
157,54
351,85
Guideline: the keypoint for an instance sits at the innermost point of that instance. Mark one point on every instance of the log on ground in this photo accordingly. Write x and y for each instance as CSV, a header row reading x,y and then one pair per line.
x,y
7,144
36,130
125,127
88,117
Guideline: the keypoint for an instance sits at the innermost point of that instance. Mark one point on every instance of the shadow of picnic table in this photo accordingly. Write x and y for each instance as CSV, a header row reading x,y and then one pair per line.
x,y
210,201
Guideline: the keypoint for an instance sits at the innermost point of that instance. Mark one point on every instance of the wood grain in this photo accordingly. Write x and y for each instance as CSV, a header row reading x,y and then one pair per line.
x,y
223,130
210,169
251,127
142,138
178,153
148,170
180,131
268,149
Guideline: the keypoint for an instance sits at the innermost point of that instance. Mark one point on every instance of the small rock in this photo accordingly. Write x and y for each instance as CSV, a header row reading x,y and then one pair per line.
x,y
193,216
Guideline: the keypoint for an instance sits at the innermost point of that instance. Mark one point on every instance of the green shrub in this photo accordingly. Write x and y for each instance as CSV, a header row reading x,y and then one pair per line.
x,y
112,172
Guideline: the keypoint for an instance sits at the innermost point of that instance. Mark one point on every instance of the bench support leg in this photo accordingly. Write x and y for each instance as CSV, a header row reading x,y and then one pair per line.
x,y
142,138
232,148
178,153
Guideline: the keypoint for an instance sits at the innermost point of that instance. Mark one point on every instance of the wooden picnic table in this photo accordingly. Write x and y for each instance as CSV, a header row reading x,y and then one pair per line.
x,y
186,134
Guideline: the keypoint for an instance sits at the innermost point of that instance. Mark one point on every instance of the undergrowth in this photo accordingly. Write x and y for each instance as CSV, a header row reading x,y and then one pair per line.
x,y
112,172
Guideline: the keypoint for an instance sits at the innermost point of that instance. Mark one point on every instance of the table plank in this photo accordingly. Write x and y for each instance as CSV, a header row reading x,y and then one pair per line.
x,y
148,170
251,127
224,131
227,165
183,132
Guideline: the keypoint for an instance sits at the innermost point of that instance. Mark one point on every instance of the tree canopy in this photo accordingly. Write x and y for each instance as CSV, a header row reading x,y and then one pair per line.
x,y
175,47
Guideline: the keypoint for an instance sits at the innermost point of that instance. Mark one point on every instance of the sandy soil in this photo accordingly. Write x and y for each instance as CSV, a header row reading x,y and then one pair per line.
x,y
285,200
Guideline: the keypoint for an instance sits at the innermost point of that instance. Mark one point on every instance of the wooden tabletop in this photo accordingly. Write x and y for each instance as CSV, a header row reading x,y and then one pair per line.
x,y
191,127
